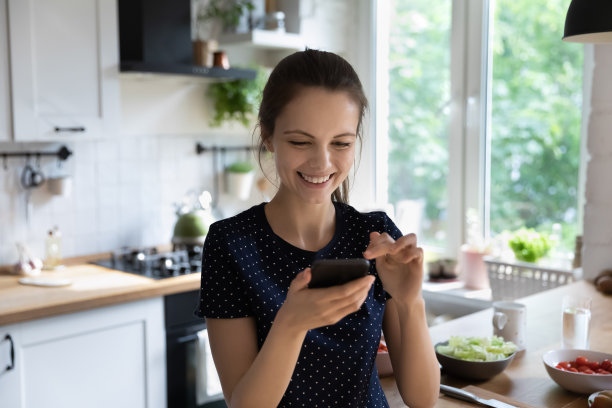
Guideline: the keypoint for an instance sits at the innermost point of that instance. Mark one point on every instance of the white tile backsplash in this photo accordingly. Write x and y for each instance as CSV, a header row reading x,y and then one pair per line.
x,y
123,194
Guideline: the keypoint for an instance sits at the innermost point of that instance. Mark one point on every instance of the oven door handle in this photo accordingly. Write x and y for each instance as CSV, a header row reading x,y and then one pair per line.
x,y
186,339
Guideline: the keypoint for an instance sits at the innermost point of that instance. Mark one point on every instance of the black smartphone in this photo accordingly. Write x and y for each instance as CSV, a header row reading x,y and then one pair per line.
x,y
330,272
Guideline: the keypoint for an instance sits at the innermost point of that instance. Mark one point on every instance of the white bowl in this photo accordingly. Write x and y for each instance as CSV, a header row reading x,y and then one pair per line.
x,y
577,382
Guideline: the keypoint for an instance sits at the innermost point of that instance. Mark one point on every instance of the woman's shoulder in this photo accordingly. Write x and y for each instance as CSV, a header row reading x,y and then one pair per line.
x,y
371,220
247,219
368,215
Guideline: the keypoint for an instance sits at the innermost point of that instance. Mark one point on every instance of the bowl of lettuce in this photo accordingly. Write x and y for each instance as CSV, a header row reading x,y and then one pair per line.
x,y
475,358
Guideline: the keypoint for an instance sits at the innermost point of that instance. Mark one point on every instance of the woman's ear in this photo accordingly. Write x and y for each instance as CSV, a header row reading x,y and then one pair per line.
x,y
266,137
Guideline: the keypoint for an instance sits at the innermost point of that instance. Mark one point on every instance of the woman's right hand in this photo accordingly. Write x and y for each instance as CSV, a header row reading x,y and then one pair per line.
x,y
306,309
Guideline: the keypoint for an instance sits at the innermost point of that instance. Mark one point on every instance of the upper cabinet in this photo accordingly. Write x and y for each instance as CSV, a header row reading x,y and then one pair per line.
x,y
5,93
64,68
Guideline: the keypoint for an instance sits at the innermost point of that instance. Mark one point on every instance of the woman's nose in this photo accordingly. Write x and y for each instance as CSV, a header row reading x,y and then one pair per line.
x,y
319,158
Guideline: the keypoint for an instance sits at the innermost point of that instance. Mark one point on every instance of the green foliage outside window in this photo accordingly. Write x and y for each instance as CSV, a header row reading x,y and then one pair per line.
x,y
536,113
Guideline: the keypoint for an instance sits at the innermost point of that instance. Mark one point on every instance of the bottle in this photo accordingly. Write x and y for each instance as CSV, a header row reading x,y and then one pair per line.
x,y
53,249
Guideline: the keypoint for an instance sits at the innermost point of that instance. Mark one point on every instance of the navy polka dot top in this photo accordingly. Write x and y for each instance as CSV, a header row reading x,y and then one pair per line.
x,y
246,272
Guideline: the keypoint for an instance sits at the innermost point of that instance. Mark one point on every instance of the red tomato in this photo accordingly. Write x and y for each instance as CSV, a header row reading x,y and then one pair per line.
x,y
606,365
593,365
572,369
583,368
588,371
581,360
602,371
563,365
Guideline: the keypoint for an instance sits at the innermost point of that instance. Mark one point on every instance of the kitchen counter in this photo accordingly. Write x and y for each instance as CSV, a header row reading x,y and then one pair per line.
x,y
92,286
525,380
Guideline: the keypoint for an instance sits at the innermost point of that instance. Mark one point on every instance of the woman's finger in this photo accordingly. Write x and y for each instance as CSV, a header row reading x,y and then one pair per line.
x,y
380,244
301,280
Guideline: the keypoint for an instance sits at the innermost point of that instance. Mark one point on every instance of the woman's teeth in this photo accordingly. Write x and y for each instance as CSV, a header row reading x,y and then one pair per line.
x,y
315,180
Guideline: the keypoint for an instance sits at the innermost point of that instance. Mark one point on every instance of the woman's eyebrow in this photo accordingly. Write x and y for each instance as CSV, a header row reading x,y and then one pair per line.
x,y
301,132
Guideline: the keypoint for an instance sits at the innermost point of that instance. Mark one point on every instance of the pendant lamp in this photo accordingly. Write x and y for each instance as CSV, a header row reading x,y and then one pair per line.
x,y
589,21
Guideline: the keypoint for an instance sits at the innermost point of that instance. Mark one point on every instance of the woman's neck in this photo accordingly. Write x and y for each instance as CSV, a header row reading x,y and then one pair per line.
x,y
304,225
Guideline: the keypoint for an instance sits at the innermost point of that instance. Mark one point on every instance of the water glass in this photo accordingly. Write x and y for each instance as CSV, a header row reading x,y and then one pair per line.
x,y
576,322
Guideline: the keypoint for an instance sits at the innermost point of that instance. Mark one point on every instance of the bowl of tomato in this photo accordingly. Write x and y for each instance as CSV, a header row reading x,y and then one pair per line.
x,y
579,371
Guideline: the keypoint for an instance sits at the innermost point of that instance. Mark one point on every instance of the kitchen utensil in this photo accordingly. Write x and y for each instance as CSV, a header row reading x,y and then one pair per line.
x,y
470,397
30,178
59,185
577,382
472,370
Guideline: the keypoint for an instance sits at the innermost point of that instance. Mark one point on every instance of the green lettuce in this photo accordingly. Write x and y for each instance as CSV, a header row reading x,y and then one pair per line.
x,y
477,348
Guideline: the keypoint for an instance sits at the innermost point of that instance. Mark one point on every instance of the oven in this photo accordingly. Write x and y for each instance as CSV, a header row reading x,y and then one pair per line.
x,y
191,376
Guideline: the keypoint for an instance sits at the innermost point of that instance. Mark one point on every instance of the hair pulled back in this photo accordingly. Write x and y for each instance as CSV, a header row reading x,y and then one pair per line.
x,y
309,68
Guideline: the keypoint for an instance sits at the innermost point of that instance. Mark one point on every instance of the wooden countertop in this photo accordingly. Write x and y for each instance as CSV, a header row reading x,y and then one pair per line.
x,y
526,380
92,286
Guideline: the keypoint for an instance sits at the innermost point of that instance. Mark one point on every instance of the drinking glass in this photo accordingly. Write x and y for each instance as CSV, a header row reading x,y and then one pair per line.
x,y
576,322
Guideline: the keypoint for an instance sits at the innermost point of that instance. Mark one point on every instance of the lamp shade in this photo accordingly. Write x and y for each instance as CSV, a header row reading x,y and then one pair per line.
x,y
589,21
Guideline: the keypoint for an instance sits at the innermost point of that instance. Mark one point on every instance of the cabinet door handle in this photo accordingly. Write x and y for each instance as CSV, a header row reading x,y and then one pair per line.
x,y
69,129
12,364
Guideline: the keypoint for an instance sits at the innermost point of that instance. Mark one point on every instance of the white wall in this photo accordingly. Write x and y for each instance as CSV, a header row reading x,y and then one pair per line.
x,y
597,250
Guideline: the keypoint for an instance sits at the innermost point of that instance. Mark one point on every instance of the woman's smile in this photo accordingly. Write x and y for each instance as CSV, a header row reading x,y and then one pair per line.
x,y
316,179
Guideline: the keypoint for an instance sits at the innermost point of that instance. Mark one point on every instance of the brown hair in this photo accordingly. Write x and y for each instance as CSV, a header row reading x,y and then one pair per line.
x,y
309,68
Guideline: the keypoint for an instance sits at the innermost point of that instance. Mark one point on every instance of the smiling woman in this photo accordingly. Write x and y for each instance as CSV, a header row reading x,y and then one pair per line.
x,y
275,341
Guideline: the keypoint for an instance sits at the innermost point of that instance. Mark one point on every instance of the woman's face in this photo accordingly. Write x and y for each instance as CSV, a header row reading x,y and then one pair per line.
x,y
314,143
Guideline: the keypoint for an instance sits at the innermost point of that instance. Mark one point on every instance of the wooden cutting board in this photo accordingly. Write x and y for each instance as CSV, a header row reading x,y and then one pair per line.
x,y
446,401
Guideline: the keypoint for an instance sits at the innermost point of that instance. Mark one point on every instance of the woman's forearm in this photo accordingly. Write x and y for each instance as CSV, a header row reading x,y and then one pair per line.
x,y
265,382
418,372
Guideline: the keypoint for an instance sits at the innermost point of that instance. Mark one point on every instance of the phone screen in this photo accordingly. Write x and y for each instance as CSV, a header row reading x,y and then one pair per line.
x,y
330,272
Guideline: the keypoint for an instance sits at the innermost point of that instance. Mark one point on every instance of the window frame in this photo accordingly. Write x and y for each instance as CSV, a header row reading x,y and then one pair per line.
x,y
468,182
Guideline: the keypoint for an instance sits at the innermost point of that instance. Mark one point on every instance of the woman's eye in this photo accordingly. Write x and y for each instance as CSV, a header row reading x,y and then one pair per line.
x,y
296,143
342,144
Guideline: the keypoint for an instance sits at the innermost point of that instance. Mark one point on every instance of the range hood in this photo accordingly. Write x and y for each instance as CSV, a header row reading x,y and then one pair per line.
x,y
155,37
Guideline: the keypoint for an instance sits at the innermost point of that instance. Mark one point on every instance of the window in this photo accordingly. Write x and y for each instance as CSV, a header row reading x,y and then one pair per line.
x,y
483,111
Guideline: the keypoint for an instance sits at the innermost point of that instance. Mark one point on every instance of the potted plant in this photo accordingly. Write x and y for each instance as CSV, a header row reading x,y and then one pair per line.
x,y
236,100
529,245
240,179
212,18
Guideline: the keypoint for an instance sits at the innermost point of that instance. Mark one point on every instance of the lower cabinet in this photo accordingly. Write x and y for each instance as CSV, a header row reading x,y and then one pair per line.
x,y
107,357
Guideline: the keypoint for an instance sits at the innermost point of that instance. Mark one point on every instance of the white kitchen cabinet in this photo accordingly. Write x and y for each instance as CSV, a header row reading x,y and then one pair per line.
x,y
108,357
9,372
5,94
64,68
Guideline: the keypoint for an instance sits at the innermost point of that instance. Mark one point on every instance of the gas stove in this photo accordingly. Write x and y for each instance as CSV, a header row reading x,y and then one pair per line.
x,y
155,264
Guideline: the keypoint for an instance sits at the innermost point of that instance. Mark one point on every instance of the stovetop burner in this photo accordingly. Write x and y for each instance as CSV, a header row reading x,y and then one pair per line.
x,y
181,260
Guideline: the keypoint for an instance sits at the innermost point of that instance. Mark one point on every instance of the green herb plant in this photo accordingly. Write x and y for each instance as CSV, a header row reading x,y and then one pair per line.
x,y
236,100
240,167
529,245
227,12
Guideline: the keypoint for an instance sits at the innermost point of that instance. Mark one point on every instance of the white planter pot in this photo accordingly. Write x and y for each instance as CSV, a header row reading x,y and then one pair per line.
x,y
239,184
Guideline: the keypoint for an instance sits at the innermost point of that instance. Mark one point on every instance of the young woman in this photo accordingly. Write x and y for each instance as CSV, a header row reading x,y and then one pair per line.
x,y
275,342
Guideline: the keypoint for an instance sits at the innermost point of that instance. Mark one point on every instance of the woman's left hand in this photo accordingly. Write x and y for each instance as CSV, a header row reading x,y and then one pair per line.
x,y
399,264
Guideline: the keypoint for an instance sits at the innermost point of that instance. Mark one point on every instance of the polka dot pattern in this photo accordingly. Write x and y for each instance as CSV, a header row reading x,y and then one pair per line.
x,y
247,270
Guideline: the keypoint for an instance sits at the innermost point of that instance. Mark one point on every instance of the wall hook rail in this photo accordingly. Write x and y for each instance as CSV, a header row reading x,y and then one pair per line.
x,y
62,154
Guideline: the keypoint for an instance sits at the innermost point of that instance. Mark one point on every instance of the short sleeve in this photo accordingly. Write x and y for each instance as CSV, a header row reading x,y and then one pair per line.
x,y
222,293
391,228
